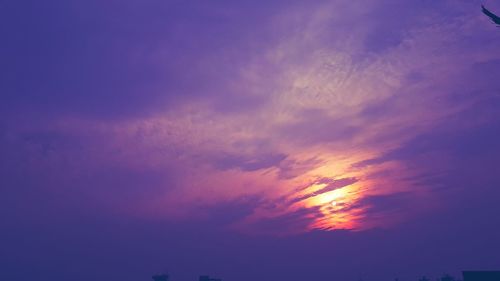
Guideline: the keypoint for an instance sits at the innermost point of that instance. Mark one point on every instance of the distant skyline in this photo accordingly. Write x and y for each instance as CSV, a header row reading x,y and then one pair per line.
x,y
286,140
466,276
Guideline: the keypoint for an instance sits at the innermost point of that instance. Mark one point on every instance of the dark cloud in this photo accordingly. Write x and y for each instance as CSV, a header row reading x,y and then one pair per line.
x,y
122,59
248,163
451,138
390,21
331,184
290,168
285,224
386,204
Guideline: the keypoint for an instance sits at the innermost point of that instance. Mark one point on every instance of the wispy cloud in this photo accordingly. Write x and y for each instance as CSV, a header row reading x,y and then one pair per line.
x,y
314,121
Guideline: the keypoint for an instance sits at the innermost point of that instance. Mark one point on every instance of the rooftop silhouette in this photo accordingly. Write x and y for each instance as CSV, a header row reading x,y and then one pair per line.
x,y
161,277
467,276
166,277
207,278
481,275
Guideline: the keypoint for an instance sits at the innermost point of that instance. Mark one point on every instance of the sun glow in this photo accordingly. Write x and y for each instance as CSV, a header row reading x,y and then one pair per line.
x,y
335,208
335,192
338,195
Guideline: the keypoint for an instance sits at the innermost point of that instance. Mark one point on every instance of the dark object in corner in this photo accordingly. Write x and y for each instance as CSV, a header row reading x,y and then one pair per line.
x,y
492,16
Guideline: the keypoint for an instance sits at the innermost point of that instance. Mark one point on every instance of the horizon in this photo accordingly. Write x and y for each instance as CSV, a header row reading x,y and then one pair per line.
x,y
467,276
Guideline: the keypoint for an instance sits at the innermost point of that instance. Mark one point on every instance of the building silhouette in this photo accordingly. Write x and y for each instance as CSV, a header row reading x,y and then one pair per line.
x,y
481,275
207,278
467,276
161,277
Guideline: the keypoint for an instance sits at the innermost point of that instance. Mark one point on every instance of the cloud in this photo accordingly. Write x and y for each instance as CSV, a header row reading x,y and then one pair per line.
x,y
248,163
331,184
319,118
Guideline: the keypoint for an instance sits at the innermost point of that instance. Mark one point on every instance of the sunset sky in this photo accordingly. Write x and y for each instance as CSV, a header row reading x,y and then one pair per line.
x,y
250,140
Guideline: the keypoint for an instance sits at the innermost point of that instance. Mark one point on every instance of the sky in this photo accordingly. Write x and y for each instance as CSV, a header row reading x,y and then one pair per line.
x,y
248,140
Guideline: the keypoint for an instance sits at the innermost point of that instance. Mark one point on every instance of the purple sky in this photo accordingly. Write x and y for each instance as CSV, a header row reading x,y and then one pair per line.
x,y
250,140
